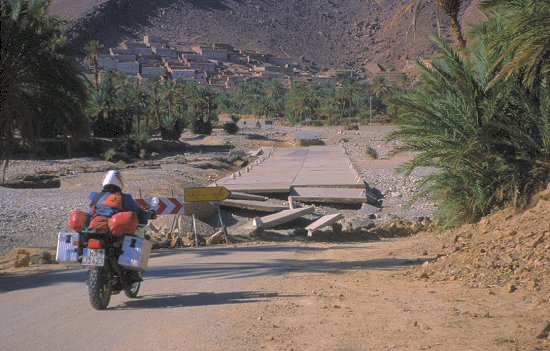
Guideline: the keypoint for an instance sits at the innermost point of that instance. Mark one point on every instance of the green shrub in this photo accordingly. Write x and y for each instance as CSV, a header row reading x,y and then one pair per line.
x,y
235,118
201,127
372,152
351,126
171,127
138,139
113,155
230,128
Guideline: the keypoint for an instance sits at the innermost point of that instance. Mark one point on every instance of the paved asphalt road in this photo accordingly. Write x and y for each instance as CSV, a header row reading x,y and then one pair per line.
x,y
187,302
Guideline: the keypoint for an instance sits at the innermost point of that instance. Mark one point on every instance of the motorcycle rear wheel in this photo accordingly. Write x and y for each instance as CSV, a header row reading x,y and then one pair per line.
x,y
99,288
132,291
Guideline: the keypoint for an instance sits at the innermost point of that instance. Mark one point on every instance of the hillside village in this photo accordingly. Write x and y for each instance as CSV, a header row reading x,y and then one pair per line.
x,y
220,66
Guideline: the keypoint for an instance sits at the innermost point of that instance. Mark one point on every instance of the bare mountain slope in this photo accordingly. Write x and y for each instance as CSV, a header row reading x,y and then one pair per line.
x,y
344,34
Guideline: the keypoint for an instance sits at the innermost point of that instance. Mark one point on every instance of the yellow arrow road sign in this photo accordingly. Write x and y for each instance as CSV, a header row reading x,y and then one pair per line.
x,y
218,193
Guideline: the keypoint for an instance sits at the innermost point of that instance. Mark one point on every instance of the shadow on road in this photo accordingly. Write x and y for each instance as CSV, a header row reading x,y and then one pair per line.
x,y
11,282
235,267
237,270
221,251
199,299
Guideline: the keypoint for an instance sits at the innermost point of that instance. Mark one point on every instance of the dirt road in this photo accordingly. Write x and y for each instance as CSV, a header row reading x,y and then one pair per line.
x,y
291,296
189,298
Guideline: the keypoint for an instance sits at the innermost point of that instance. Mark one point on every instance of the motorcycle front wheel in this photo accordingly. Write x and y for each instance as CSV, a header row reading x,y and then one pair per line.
x,y
99,288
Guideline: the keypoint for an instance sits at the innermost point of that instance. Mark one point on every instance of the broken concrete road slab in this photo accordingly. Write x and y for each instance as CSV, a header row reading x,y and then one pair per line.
x,y
262,206
329,195
278,171
285,216
323,222
244,196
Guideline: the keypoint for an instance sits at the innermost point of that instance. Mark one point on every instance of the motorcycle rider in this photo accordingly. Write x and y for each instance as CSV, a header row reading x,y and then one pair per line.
x,y
111,200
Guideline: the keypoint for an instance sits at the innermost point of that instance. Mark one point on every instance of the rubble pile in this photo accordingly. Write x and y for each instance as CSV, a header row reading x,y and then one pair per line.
x,y
506,249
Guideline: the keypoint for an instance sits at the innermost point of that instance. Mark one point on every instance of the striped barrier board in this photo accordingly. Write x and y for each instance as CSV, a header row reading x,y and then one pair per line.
x,y
167,205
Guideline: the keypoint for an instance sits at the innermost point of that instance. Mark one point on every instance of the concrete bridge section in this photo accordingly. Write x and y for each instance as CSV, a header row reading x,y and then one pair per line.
x,y
280,170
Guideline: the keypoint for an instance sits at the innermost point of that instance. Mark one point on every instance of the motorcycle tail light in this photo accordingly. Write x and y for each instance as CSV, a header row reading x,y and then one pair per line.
x,y
94,244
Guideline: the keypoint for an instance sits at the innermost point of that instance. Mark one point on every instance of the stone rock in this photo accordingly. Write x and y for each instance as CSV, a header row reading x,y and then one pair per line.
x,y
510,288
357,224
216,238
545,330
424,275
22,259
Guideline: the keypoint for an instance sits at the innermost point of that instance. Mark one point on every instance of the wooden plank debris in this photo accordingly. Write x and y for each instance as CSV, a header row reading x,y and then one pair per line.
x,y
253,205
285,216
323,222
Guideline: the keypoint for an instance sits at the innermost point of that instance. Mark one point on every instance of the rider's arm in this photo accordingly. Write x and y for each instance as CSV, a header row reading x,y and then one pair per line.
x,y
131,205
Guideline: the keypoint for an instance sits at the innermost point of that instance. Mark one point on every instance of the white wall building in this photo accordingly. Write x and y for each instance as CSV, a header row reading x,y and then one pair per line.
x,y
185,74
164,52
151,71
210,53
107,61
128,67
279,61
203,66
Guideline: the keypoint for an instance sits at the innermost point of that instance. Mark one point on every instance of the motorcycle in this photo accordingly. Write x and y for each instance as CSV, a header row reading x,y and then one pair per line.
x,y
110,270
106,277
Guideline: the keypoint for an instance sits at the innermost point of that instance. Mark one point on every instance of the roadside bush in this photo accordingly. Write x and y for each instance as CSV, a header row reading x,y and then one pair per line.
x,y
351,126
235,118
171,128
372,152
231,128
201,127
138,139
113,155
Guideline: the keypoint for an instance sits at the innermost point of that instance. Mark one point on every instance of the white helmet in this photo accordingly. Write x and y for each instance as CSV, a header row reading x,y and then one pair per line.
x,y
113,177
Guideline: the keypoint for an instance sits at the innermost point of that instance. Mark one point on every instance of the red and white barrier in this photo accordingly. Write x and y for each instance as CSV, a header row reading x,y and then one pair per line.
x,y
166,206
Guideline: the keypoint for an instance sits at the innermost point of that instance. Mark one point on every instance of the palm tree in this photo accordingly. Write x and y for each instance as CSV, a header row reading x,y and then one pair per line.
x,y
380,87
346,96
102,107
202,106
154,86
91,50
171,93
523,42
491,146
302,102
39,80
450,8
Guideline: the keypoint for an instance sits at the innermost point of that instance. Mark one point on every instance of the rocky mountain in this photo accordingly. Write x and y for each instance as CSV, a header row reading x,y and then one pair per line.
x,y
344,34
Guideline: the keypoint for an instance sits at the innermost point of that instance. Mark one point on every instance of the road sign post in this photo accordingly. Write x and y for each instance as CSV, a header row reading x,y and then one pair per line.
x,y
224,229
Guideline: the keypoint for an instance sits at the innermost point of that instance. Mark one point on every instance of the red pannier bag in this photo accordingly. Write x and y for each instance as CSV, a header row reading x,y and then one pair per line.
x,y
123,223
78,220
99,224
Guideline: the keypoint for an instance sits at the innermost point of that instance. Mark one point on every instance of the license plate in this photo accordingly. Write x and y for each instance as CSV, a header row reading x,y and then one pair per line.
x,y
93,257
